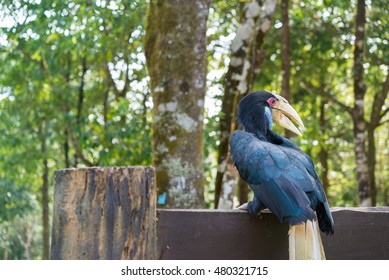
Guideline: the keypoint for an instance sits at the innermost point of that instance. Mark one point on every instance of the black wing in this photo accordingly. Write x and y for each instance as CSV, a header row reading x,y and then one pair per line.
x,y
283,178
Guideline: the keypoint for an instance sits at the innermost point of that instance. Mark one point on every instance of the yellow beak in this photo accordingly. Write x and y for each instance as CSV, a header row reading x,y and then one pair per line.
x,y
283,114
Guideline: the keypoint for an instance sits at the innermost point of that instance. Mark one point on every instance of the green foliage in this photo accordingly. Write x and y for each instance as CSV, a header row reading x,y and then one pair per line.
x,y
14,199
73,76
19,238
73,79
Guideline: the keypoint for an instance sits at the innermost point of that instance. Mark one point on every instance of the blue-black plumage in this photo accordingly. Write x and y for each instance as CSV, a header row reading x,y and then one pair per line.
x,y
282,177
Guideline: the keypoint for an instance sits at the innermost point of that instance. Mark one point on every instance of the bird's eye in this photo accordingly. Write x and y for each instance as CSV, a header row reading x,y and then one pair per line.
x,y
271,101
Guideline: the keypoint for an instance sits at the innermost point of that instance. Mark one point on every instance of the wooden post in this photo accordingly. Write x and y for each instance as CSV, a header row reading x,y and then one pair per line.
x,y
104,213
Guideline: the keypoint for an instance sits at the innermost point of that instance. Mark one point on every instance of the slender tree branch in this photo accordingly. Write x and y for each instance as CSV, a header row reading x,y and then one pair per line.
x,y
81,91
381,97
340,104
383,122
79,153
308,86
375,58
384,113
126,77
127,61
105,107
111,81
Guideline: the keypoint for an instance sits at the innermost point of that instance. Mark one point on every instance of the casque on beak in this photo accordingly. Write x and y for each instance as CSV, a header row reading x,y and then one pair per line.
x,y
283,114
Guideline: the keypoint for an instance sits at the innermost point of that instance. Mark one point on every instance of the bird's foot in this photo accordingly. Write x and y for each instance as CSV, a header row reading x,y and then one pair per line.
x,y
243,207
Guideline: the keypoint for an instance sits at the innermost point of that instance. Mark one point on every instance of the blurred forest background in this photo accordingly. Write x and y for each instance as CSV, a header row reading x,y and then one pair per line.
x,y
136,82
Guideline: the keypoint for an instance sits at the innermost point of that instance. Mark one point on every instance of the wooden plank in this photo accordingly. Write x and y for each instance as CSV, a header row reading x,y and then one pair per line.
x,y
360,233
220,234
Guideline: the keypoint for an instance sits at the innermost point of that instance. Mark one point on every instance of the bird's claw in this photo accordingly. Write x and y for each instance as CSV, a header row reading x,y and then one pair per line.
x,y
243,207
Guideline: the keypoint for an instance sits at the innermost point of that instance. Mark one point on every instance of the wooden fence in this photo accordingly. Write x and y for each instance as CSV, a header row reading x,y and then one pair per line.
x,y
110,213
360,233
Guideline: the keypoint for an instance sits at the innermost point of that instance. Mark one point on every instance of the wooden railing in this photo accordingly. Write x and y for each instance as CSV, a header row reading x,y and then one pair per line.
x,y
110,213
360,233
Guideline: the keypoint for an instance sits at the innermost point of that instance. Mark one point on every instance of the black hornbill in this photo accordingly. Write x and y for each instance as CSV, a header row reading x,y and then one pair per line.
x,y
281,175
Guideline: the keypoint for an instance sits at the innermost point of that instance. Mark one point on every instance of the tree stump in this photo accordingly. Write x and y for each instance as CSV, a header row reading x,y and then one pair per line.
x,y
104,213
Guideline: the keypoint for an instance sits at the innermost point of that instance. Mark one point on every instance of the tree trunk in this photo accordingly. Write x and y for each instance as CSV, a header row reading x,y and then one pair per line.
x,y
81,91
239,48
45,211
371,157
285,56
5,254
104,213
80,103
375,121
105,107
45,197
359,108
323,154
6,248
175,49
66,149
244,63
26,239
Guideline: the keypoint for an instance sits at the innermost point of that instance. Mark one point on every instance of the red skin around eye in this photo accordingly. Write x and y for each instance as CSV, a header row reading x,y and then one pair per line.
x,y
271,101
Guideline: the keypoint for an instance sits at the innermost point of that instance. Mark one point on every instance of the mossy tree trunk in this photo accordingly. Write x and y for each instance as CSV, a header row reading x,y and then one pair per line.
x,y
175,46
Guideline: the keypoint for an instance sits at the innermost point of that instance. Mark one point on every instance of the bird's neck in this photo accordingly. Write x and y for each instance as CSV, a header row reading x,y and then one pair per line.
x,y
266,135
260,124
269,118
259,131
274,138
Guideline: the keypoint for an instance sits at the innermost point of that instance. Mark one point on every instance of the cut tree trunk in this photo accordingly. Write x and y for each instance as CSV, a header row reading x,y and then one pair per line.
x,y
104,213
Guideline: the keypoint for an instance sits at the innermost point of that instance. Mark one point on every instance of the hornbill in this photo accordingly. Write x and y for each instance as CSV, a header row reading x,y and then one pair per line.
x,y
281,175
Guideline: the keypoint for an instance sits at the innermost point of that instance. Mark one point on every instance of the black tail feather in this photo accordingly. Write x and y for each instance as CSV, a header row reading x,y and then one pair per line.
x,y
325,222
